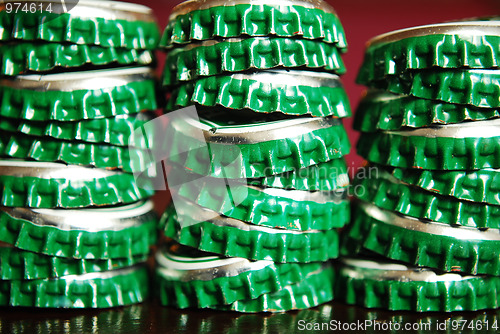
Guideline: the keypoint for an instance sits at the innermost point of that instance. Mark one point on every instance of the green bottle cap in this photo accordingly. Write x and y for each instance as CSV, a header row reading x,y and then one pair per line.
x,y
204,229
308,19
387,192
106,23
426,244
326,176
255,145
77,96
209,58
474,87
53,185
396,287
288,92
385,111
473,44
476,186
465,146
103,156
117,131
106,233
21,57
186,277
271,207
97,290
316,289
16,264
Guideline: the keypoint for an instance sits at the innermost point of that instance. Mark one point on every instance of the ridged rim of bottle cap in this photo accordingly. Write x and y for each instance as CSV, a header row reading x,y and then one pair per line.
x,y
73,153
117,131
271,207
54,185
202,279
434,245
316,289
326,176
475,87
205,230
288,92
19,264
97,290
190,6
209,58
387,192
432,46
76,96
386,111
31,105
467,146
104,23
400,288
103,233
475,186
326,135
19,58
186,22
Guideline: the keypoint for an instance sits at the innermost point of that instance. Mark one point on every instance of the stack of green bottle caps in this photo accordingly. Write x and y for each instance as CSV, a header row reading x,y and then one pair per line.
x,y
428,202
75,227
257,174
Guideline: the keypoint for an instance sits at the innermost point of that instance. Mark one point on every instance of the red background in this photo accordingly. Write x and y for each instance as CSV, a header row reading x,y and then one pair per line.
x,y
363,20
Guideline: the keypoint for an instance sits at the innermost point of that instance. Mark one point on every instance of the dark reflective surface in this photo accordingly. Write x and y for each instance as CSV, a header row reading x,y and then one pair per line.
x,y
152,318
